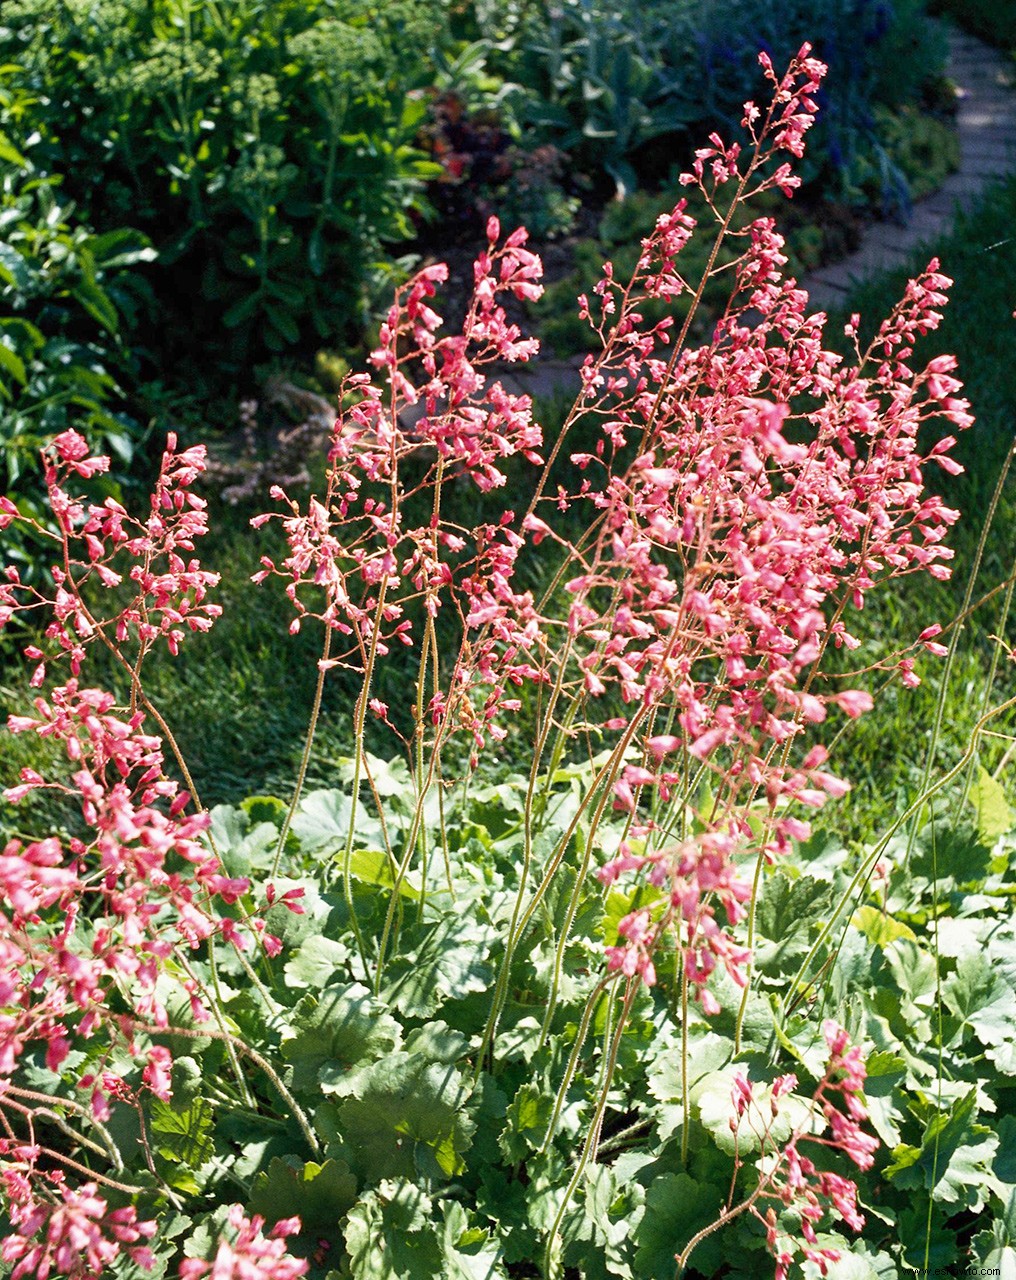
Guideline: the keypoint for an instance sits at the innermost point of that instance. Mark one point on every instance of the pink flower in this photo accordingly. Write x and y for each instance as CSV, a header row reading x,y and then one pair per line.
x,y
157,1075
75,1239
246,1254
791,1179
122,879
854,702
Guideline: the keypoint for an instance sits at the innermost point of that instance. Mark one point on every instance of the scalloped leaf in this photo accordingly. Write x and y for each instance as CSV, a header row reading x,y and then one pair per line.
x,y
406,1118
319,1194
336,1033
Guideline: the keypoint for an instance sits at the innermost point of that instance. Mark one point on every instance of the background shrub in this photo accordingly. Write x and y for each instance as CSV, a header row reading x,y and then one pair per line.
x,y
991,21
277,154
64,291
265,148
620,85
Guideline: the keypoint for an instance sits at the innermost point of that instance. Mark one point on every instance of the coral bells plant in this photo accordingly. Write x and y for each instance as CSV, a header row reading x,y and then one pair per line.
x,y
422,1024
789,1178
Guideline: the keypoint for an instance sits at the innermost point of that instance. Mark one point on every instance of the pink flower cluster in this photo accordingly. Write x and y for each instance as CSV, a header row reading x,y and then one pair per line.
x,y
743,499
771,485
77,919
71,1234
102,544
791,1178
90,920
249,1255
81,918
698,875
356,562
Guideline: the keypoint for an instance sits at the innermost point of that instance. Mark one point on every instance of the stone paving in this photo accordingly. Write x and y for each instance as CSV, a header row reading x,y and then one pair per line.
x,y
986,121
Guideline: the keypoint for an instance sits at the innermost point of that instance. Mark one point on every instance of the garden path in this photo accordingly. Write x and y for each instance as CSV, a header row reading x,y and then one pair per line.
x,y
986,122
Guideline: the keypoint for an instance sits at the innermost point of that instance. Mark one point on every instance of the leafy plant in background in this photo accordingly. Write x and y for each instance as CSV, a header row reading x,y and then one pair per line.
x,y
63,293
266,150
611,79
882,55
994,23
271,152
600,79
602,1019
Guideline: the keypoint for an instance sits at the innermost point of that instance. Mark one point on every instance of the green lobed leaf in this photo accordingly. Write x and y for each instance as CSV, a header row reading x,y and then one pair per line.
x,y
526,1121
706,1053
676,1208
448,963
243,845
953,1159
336,1033
407,1118
788,909
916,976
316,962
994,816
321,823
319,1194
985,1002
951,853
469,1251
857,1260
996,1247
879,927
390,1235
181,1136
926,1238
437,1042
321,820
712,1098
886,1073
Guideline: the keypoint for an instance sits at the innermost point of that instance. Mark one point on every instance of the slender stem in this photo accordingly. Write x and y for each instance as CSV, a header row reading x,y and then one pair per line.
x,y
46,1113
618,1140
593,1136
1007,601
520,919
726,1215
270,1002
50,1100
407,857
573,1058
359,718
685,1099
315,713
444,840
91,1174
940,1073
428,656
750,943
215,1004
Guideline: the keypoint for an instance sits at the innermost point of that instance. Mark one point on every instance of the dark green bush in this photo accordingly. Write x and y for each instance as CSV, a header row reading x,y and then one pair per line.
x,y
270,149
991,20
63,293
264,146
